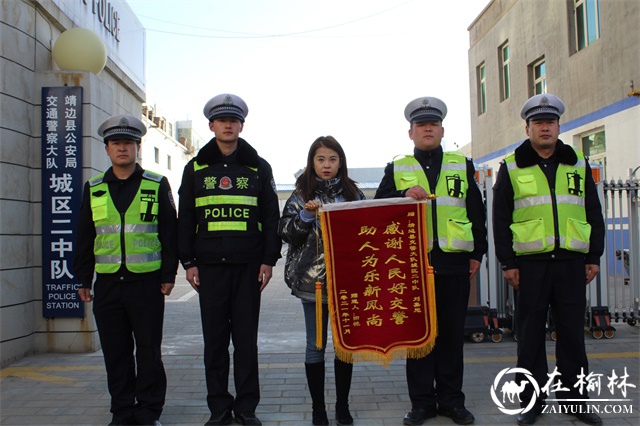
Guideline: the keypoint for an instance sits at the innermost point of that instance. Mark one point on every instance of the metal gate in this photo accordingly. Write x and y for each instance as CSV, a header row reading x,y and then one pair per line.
x,y
614,295
622,276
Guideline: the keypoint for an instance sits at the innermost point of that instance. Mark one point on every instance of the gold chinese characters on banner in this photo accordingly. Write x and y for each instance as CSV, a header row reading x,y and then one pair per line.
x,y
379,282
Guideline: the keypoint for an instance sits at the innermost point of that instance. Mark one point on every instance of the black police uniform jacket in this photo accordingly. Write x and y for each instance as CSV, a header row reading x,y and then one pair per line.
x,y
503,206
445,263
240,174
123,193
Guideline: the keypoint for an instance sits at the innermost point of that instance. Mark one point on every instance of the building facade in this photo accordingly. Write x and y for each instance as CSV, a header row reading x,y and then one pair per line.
x,y
29,318
584,51
168,146
34,124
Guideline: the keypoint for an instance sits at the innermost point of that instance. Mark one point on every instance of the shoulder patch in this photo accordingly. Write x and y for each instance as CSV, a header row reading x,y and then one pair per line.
x,y
152,176
96,180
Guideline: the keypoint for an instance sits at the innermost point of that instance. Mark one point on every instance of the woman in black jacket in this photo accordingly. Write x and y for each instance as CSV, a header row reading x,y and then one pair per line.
x,y
324,180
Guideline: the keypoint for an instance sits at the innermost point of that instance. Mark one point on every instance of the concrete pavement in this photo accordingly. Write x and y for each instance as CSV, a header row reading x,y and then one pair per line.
x,y
70,389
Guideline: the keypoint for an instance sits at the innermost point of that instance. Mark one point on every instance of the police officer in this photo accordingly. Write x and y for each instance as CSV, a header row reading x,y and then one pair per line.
x,y
228,244
549,236
457,242
127,234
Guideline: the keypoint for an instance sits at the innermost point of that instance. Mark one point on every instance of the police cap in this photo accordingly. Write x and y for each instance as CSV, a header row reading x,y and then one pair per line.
x,y
426,108
122,127
226,105
540,107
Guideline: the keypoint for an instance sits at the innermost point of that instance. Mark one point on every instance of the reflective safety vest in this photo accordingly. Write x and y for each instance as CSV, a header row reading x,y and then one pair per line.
x,y
131,239
453,225
226,199
538,212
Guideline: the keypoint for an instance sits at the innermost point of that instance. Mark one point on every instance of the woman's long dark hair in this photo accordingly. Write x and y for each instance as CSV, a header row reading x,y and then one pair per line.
x,y
307,182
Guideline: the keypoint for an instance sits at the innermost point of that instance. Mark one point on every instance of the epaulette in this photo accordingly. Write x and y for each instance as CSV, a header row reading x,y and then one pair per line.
x,y
96,180
152,176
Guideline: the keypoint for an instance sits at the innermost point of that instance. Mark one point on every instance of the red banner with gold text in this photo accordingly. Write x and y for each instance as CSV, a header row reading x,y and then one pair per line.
x,y
379,282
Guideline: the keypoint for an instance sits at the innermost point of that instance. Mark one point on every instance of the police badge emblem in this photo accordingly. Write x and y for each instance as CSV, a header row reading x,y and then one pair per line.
x,y
225,183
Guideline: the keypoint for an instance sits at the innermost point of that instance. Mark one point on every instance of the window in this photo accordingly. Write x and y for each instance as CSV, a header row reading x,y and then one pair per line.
x,y
482,89
594,146
156,152
505,72
168,162
539,77
587,13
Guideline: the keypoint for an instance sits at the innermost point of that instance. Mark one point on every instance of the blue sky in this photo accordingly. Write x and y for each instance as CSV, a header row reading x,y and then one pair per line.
x,y
309,68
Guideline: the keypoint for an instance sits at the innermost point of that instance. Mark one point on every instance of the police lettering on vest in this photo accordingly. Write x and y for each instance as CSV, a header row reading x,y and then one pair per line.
x,y
104,244
146,242
228,212
225,200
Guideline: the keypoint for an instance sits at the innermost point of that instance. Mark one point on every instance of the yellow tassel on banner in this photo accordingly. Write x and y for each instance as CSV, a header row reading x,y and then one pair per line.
x,y
318,315
318,291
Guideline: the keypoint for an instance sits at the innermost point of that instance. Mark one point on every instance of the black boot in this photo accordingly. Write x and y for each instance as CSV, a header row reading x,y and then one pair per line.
x,y
343,372
315,380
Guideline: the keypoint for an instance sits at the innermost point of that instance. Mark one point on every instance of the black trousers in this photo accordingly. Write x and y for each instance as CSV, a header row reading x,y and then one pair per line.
x,y
128,315
230,309
559,284
437,378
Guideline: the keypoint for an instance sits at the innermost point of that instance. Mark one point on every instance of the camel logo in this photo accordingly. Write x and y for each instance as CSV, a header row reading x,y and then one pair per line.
x,y
511,390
